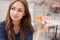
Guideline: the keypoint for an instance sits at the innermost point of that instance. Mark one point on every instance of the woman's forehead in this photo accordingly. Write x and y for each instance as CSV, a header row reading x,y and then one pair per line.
x,y
18,4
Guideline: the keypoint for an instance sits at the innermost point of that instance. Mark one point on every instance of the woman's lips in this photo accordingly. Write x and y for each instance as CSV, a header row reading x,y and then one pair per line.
x,y
15,16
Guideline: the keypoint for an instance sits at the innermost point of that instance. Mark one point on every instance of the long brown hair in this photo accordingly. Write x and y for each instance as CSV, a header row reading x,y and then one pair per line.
x,y
25,22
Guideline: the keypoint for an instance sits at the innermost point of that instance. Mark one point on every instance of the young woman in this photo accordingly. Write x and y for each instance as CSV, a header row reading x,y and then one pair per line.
x,y
17,25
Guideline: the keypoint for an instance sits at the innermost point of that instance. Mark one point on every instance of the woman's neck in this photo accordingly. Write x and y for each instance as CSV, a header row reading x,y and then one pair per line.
x,y
16,23
16,27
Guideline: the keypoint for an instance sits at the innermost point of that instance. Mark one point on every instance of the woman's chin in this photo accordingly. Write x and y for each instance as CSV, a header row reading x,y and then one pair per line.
x,y
15,19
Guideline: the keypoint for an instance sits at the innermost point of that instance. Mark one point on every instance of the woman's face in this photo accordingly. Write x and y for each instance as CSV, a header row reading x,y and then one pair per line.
x,y
17,11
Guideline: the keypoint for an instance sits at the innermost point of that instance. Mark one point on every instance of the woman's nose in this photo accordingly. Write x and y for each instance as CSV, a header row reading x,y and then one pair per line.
x,y
15,12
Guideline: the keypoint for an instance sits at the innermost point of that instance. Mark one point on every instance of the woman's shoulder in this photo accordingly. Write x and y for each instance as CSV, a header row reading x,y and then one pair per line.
x,y
2,24
29,32
29,35
3,35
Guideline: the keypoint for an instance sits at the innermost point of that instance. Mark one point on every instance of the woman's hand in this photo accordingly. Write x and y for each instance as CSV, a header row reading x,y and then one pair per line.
x,y
41,29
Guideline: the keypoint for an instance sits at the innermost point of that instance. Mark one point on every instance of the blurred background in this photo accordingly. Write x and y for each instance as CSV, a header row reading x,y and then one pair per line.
x,y
39,8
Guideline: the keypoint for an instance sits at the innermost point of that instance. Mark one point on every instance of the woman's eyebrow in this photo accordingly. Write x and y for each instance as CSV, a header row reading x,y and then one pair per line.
x,y
12,7
15,7
19,8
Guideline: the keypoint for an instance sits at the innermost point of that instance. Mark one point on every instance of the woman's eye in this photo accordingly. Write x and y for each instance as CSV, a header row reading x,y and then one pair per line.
x,y
20,10
13,8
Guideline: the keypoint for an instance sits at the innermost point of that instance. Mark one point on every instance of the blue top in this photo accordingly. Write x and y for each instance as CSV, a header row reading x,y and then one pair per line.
x,y
3,34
